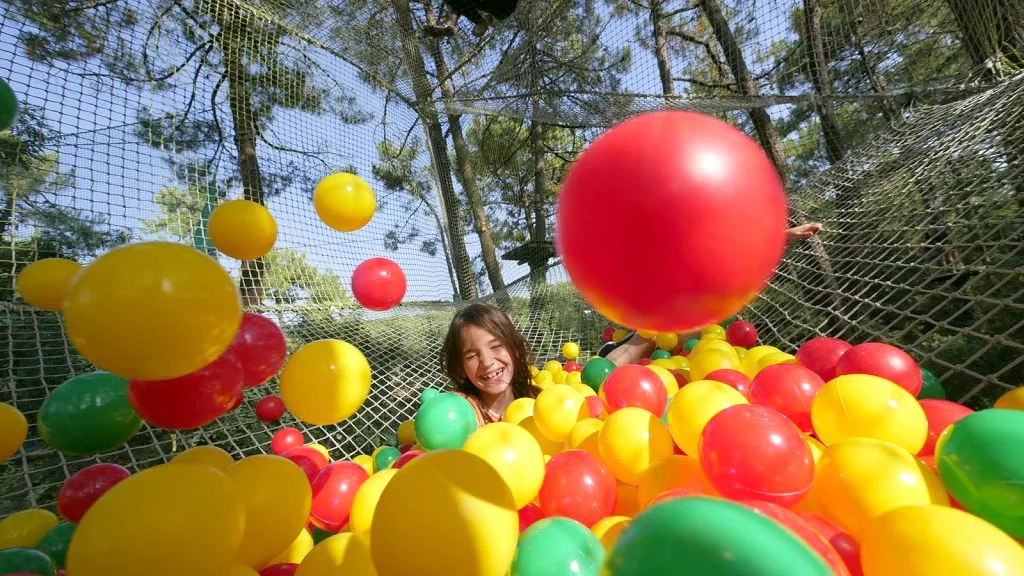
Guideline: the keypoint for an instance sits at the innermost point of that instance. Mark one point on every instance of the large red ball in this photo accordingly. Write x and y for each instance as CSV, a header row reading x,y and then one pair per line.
x,y
260,347
189,401
882,360
579,486
378,284
709,190
636,386
820,355
941,414
790,389
752,452
270,408
333,491
85,487
285,439
741,333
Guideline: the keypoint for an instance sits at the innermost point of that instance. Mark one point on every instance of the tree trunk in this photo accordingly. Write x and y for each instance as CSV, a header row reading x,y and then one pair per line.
x,y
821,82
481,224
427,112
240,102
992,32
660,30
7,216
538,232
889,108
444,247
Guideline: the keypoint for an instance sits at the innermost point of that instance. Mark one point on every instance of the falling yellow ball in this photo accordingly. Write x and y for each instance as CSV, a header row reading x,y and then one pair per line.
x,y
43,284
325,382
13,431
242,229
570,350
344,201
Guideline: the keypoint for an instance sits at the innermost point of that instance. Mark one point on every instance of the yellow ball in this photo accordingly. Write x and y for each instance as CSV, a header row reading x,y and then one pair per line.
x,y
44,283
707,361
242,229
547,446
325,382
646,335
937,540
13,431
557,410
553,366
585,435
365,503
514,454
26,528
295,551
446,512
208,455
1012,400
575,379
366,462
277,498
344,201
152,311
608,530
560,377
407,432
666,377
346,553
693,406
667,341
775,358
533,370
583,389
682,363
618,335
519,408
714,344
749,364
237,569
859,479
570,350
625,500
740,352
163,521
865,406
713,331
321,449
631,440
545,376
673,472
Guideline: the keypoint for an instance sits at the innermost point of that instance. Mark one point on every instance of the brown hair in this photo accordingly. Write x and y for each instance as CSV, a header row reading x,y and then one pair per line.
x,y
498,324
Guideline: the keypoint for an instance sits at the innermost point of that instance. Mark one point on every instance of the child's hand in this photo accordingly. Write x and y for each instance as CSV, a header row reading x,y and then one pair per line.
x,y
802,232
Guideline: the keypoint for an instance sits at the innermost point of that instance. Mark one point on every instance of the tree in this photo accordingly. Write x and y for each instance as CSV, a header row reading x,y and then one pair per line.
x,y
238,54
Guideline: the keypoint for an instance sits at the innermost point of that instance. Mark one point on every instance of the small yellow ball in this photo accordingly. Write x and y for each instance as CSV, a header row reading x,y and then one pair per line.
x,y
43,284
344,201
570,350
242,229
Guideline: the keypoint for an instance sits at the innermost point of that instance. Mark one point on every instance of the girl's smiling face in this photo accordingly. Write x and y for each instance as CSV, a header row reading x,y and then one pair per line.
x,y
485,360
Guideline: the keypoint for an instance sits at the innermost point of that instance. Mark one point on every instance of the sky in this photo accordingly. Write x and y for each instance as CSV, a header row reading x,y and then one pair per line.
x,y
118,175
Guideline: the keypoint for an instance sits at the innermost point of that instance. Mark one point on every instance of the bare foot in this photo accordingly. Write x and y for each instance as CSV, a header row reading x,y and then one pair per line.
x,y
802,232
438,31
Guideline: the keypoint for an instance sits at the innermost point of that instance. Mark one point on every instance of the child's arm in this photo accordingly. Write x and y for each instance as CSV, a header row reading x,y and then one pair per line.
x,y
803,231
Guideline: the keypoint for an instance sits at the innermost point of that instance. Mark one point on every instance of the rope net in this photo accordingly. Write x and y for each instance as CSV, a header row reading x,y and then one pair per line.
x,y
897,124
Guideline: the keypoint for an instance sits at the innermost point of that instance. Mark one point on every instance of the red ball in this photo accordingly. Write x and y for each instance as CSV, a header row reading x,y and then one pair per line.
x,y
378,284
637,386
741,333
333,491
237,401
189,401
843,543
309,459
799,526
608,333
270,408
404,458
572,366
260,347
596,406
680,378
528,515
579,486
85,487
644,361
279,570
941,414
790,389
882,360
285,439
690,168
820,355
734,378
403,448
752,452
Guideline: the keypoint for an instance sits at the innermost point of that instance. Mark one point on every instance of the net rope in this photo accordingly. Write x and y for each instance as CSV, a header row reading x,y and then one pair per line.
x,y
900,126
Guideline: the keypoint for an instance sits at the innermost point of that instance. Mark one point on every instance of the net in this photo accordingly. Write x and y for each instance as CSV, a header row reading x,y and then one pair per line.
x,y
898,124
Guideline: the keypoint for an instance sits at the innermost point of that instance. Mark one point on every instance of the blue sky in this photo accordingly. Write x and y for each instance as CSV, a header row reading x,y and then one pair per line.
x,y
117,175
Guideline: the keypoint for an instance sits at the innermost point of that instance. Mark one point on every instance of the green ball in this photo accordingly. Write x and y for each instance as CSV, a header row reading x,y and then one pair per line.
x,y
88,414
659,354
978,458
710,536
445,421
319,535
595,371
26,560
930,386
385,457
691,344
558,546
8,106
55,543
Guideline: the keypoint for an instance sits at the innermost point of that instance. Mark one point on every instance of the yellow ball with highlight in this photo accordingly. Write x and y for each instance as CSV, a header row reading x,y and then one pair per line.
x,y
242,229
325,382
44,283
344,201
570,350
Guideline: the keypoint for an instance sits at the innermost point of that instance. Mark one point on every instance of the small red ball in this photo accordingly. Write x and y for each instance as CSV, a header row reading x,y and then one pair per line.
x,y
270,408
572,366
378,284
738,380
608,333
741,333
285,439
820,355
404,458
882,360
279,570
83,488
528,515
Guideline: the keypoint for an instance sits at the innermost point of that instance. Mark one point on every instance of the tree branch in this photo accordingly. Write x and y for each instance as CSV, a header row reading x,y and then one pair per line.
x,y
705,84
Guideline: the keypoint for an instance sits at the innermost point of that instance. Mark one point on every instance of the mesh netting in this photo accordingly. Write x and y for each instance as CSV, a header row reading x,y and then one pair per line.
x,y
898,124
